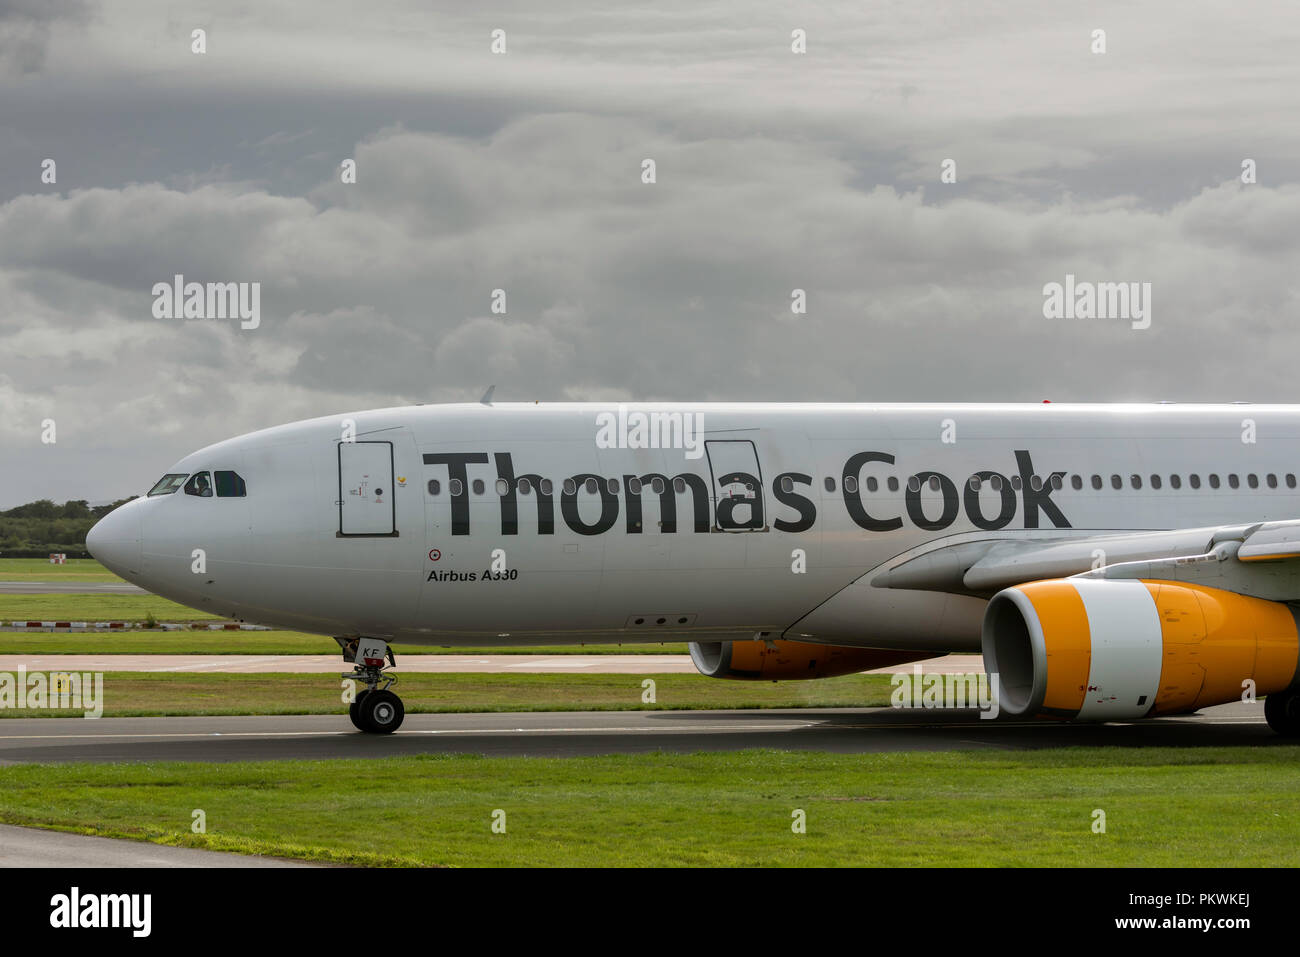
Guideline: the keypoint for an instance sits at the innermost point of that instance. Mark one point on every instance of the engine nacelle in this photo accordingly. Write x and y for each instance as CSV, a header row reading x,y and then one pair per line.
x,y
787,660
1102,650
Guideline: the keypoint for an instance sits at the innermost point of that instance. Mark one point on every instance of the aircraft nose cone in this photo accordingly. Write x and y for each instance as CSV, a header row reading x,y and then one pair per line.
x,y
114,541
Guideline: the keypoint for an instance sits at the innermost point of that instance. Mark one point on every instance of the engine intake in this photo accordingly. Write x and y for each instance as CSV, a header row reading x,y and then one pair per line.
x,y
1100,650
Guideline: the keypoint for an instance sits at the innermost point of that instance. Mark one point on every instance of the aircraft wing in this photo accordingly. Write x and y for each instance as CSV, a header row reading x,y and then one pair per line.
x,y
1260,560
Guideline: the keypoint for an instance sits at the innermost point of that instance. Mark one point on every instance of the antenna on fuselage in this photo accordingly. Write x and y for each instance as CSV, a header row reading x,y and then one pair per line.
x,y
487,396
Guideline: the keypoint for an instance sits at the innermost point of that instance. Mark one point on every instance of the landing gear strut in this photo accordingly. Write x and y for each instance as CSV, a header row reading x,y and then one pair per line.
x,y
376,710
1282,711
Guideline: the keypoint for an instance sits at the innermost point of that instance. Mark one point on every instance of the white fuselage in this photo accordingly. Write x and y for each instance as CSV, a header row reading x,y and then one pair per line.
x,y
341,531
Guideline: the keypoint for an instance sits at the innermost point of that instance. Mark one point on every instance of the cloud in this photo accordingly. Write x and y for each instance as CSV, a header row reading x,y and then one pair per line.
x,y
25,28
523,173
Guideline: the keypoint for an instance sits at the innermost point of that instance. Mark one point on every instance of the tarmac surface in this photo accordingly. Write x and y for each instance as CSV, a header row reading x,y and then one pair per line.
x,y
31,847
564,734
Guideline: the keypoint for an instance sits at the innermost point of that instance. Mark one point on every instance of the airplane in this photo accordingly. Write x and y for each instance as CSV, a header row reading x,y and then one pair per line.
x,y
1110,562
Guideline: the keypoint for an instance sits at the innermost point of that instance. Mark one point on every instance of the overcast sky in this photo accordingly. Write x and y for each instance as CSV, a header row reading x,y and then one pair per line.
x,y
523,171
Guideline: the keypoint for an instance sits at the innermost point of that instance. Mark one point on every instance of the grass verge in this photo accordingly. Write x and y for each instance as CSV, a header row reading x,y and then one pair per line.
x,y
1164,807
264,643
139,694
47,607
40,570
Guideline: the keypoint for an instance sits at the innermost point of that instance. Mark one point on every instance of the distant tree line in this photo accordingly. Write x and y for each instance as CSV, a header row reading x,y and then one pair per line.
x,y
38,528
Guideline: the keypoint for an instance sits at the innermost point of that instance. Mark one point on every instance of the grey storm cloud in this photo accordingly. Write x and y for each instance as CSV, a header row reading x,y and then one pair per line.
x,y
522,172
25,27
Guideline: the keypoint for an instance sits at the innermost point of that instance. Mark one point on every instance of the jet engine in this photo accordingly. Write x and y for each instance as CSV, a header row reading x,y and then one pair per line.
x,y
1101,650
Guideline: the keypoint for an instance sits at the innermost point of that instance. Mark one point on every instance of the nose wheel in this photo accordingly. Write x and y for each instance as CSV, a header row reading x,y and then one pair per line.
x,y
375,710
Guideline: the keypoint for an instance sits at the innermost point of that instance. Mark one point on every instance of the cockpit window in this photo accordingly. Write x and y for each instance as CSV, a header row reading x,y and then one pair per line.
x,y
230,485
168,483
200,485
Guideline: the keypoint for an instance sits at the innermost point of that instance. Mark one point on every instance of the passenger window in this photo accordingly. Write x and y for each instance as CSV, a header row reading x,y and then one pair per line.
x,y
974,483
1096,481
634,486
657,485
1233,481
995,483
914,484
830,484
1015,482
478,486
570,487
200,485
679,485
1214,480
546,486
435,487
1076,482
455,487
1194,480
850,484
1116,482
169,483
1272,480
1057,482
592,486
1155,481
503,487
1290,480
612,485
1252,480
893,483
230,485
872,484
1175,481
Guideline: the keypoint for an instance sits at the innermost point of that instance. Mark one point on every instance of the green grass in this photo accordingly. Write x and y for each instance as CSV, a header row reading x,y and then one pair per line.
x,y
1164,807
113,607
262,643
96,608
167,643
132,694
40,570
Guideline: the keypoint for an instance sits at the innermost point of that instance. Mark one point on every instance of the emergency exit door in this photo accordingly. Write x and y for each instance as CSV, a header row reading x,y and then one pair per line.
x,y
737,486
366,501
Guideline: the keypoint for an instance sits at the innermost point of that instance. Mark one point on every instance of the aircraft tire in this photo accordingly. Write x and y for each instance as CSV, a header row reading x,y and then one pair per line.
x,y
1282,711
380,712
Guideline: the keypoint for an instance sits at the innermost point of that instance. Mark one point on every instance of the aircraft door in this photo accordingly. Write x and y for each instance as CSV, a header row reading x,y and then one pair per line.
x,y
737,489
367,505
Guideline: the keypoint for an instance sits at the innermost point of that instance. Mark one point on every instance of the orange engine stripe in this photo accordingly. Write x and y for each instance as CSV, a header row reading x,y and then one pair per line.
x,y
1064,621
1248,638
1214,640
1182,632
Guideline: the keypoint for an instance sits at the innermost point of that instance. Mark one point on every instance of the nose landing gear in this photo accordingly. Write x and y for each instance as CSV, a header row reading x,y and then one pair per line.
x,y
375,710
